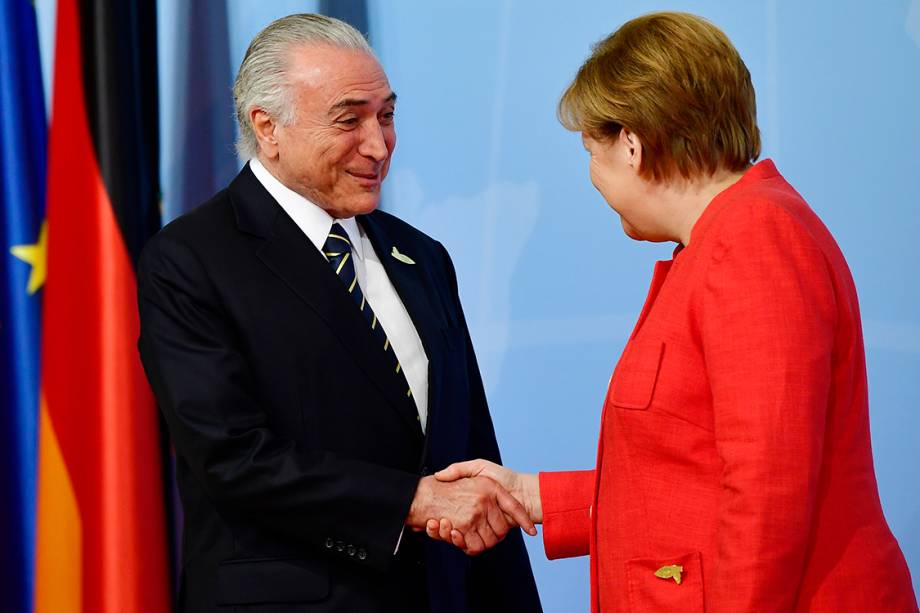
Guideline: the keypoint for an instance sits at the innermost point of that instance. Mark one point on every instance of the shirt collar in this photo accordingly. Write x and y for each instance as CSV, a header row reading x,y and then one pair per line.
x,y
355,234
312,219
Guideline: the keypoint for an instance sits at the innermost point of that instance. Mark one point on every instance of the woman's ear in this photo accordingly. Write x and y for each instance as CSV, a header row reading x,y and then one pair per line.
x,y
632,148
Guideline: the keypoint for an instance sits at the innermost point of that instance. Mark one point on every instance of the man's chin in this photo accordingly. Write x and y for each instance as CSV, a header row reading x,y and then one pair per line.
x,y
363,204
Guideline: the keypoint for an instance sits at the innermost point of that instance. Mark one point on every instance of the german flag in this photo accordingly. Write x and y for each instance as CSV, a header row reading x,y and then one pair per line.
x,y
101,536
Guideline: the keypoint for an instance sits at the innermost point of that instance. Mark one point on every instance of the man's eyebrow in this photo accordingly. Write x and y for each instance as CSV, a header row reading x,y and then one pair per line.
x,y
350,102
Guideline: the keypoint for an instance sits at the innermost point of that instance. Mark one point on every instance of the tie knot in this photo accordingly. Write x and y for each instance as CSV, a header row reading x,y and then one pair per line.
x,y
337,243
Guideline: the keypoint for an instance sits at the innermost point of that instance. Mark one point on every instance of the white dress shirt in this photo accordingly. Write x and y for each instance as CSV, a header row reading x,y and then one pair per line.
x,y
316,223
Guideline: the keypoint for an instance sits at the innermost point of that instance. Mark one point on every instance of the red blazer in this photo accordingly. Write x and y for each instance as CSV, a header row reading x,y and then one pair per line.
x,y
734,442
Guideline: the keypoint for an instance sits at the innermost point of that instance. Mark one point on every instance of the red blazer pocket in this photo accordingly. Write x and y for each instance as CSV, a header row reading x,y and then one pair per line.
x,y
665,584
635,377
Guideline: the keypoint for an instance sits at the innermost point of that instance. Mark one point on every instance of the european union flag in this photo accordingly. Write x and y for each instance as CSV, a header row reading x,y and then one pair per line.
x,y
23,134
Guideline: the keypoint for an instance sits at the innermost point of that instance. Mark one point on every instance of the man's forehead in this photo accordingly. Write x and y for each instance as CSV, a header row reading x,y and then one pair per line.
x,y
343,75
324,61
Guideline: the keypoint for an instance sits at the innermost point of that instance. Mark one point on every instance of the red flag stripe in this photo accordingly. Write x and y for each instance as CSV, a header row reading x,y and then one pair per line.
x,y
98,402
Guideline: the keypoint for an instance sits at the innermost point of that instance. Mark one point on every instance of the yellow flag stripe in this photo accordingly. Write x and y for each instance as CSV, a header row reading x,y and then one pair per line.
x,y
58,551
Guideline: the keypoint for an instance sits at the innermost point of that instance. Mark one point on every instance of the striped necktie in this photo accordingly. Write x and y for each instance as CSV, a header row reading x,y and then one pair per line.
x,y
338,249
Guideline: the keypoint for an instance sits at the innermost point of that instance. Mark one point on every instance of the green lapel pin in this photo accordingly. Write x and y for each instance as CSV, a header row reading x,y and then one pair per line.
x,y
405,259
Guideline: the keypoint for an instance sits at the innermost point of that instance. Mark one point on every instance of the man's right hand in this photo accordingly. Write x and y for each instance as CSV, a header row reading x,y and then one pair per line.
x,y
481,509
525,488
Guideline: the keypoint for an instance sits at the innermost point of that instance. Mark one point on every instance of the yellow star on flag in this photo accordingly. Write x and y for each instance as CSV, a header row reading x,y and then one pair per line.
x,y
36,256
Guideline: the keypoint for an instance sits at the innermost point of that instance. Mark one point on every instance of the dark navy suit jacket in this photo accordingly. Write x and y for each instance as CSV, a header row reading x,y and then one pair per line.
x,y
298,453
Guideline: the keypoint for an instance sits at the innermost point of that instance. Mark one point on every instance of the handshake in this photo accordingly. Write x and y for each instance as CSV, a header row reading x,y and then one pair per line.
x,y
474,504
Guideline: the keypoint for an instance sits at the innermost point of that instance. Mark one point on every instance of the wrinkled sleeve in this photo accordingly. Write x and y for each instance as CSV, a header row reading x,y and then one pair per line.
x,y
566,498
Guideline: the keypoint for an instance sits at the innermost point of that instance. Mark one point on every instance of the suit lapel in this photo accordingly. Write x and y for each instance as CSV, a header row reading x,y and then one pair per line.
x,y
408,279
290,255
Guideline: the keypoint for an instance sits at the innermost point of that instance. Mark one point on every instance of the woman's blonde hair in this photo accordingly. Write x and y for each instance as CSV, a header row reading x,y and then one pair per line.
x,y
676,81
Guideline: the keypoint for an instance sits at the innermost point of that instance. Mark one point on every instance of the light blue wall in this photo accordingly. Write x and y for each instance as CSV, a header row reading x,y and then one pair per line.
x,y
550,284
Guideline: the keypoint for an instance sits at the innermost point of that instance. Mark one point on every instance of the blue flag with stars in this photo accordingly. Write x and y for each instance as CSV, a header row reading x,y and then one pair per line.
x,y
23,134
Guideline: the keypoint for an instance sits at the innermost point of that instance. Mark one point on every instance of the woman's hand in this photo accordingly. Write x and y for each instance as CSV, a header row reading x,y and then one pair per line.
x,y
524,487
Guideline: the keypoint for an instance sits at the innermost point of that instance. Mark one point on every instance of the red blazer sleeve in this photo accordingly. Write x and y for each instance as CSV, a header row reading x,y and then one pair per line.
x,y
767,324
566,498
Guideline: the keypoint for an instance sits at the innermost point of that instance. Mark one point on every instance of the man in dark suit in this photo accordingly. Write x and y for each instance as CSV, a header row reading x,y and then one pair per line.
x,y
313,364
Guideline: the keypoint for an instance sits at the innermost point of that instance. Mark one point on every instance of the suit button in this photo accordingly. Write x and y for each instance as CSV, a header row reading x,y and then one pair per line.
x,y
339,546
329,543
425,470
352,550
362,554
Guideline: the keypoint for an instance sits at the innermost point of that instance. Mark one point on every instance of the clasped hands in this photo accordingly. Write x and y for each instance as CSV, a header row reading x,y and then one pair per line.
x,y
474,504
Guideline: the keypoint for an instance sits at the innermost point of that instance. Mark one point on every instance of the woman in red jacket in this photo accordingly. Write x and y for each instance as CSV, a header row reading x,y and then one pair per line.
x,y
734,470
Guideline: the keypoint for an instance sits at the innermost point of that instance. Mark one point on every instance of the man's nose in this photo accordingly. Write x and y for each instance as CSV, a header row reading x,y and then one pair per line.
x,y
373,142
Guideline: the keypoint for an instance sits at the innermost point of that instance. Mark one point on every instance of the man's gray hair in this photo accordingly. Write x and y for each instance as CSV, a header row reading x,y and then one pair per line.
x,y
262,81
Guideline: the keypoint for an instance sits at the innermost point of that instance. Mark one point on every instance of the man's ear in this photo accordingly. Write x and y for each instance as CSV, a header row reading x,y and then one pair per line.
x,y
632,146
263,125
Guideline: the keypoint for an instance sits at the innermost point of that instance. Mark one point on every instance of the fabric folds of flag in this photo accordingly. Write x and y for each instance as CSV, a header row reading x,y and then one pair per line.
x,y
22,265
101,539
199,156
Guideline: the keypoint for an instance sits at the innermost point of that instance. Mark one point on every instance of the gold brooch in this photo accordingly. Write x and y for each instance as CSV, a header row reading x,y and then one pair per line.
x,y
670,572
